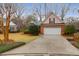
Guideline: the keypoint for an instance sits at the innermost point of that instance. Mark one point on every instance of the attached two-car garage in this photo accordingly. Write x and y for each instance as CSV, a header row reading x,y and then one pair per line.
x,y
52,31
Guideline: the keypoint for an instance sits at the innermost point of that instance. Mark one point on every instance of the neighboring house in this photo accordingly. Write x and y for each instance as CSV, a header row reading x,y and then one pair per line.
x,y
52,25
13,26
18,22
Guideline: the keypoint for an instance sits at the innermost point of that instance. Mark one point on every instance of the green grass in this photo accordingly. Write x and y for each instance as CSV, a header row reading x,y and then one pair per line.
x,y
6,47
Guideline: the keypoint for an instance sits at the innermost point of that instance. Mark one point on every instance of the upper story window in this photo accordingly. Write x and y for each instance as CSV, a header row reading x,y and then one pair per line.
x,y
51,20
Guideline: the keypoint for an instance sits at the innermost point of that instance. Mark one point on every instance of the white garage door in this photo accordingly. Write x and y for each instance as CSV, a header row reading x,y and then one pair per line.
x,y
52,31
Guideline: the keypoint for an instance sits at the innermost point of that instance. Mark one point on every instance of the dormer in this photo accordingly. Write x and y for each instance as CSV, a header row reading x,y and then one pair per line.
x,y
51,20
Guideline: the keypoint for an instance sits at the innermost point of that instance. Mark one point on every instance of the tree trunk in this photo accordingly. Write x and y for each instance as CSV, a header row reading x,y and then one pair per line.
x,y
3,28
7,28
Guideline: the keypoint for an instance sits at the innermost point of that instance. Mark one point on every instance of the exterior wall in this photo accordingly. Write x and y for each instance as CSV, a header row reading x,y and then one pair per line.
x,y
41,30
62,29
13,28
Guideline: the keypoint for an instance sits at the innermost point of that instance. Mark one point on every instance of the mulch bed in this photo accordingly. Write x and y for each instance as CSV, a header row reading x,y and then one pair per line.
x,y
74,43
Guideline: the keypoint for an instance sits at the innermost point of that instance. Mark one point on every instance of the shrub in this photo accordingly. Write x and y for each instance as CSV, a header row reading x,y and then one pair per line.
x,y
76,37
24,30
69,29
33,29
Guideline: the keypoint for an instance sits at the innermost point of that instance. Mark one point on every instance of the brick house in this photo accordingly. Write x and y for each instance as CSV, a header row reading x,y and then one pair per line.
x,y
52,25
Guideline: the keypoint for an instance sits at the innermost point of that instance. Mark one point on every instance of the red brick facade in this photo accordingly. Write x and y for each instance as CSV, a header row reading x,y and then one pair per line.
x,y
61,25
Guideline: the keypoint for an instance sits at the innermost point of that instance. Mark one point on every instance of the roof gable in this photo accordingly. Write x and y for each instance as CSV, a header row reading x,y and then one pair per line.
x,y
52,15
11,23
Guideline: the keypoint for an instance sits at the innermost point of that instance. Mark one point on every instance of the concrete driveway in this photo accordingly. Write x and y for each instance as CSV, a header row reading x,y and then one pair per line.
x,y
46,45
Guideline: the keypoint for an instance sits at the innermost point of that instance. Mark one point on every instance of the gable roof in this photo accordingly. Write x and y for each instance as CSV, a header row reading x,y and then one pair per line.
x,y
51,13
11,23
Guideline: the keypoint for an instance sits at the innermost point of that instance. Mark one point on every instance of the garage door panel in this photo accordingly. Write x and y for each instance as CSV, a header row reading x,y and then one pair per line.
x,y
50,31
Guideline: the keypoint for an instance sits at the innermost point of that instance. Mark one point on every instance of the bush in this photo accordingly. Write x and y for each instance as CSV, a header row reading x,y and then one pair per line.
x,y
33,29
69,29
26,31
76,37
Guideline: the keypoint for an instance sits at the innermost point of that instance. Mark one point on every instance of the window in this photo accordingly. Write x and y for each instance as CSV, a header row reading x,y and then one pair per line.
x,y
51,20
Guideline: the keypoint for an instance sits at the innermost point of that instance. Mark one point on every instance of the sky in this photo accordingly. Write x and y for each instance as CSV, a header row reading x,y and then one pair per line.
x,y
29,7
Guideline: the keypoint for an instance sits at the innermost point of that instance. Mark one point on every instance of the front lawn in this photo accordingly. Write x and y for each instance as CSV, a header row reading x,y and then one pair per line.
x,y
21,37
6,47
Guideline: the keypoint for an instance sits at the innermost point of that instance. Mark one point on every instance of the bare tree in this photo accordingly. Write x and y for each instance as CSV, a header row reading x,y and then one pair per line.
x,y
18,16
19,11
60,9
54,8
37,11
29,19
40,10
7,10
45,5
76,10
64,9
